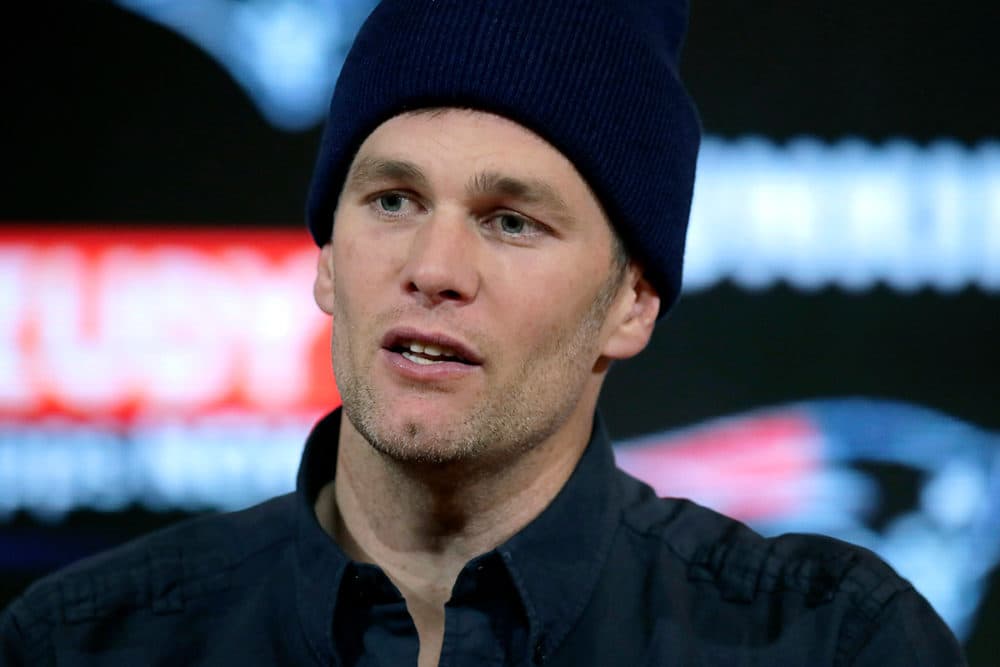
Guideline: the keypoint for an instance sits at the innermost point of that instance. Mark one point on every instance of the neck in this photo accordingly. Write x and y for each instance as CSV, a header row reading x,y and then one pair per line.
x,y
427,521
421,524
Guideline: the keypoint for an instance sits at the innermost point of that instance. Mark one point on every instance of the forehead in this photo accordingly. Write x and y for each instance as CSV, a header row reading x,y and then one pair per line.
x,y
446,143
472,127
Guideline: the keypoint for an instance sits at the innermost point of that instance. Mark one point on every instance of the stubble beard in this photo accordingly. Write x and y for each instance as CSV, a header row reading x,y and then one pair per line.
x,y
516,417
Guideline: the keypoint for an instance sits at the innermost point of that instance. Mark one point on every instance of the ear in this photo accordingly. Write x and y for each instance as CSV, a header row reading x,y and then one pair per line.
x,y
323,287
633,316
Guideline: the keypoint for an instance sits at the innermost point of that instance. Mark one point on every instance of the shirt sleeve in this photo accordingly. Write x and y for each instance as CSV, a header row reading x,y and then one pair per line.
x,y
909,633
11,640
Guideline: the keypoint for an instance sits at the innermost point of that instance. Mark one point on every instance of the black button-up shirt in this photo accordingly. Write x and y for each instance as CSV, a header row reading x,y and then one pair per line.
x,y
607,575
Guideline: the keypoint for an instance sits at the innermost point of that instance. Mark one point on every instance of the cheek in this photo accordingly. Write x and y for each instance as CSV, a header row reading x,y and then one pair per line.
x,y
563,296
361,284
351,270
345,291
367,257
546,311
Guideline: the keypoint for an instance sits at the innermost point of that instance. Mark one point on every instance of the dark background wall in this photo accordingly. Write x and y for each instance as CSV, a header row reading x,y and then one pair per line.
x,y
111,119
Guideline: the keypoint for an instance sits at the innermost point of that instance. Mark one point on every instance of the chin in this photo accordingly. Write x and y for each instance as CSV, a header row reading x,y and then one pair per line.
x,y
410,441
417,433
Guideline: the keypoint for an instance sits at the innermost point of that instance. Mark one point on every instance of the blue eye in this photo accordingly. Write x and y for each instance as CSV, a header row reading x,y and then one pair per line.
x,y
391,202
512,224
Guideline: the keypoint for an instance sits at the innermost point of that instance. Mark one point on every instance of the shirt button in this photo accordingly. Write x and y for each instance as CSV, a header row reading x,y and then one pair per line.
x,y
539,654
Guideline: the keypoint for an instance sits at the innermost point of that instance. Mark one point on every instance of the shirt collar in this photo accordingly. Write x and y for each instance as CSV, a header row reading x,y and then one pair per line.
x,y
555,561
320,562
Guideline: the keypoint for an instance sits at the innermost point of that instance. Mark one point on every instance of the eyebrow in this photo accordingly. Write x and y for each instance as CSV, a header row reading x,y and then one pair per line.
x,y
528,190
371,169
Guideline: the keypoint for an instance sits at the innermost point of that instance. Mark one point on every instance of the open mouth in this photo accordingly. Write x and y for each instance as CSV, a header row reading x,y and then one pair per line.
x,y
428,353
429,348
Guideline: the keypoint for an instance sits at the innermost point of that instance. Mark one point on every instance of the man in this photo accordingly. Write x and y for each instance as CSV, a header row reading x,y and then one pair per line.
x,y
500,200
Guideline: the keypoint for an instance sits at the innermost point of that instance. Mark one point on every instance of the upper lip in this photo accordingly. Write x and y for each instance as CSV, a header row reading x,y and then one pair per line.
x,y
401,335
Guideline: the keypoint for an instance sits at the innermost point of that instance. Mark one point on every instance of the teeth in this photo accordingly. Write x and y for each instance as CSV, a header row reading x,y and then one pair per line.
x,y
431,350
419,360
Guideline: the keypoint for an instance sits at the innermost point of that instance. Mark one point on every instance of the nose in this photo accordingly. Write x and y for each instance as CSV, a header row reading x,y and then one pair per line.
x,y
441,264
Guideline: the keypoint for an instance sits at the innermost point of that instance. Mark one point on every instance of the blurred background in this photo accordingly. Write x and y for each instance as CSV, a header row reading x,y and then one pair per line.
x,y
832,366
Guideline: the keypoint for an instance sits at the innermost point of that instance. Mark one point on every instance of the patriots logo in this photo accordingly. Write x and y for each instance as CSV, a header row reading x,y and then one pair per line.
x,y
285,54
918,487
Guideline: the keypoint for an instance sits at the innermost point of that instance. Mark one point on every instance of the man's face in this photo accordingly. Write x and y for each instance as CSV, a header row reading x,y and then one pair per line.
x,y
470,277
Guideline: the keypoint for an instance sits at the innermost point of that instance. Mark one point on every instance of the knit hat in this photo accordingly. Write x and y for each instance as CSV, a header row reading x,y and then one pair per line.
x,y
597,79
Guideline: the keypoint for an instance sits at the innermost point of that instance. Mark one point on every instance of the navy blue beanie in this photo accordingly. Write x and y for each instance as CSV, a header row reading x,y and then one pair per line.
x,y
597,79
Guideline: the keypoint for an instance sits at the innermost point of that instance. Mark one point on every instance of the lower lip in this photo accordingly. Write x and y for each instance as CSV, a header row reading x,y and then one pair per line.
x,y
440,371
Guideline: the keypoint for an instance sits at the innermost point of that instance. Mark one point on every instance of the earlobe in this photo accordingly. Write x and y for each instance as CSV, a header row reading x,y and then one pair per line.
x,y
635,325
323,286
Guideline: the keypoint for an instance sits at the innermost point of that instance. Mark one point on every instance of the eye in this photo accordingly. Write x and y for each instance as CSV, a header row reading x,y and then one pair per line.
x,y
391,202
511,224
393,205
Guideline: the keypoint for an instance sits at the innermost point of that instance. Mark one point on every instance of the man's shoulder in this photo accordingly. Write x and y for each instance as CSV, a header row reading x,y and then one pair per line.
x,y
157,572
717,550
709,584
